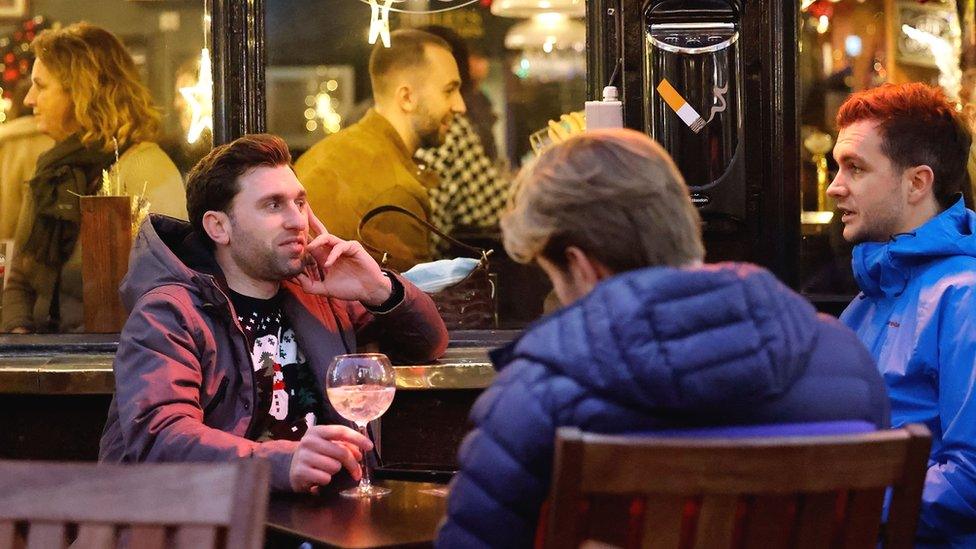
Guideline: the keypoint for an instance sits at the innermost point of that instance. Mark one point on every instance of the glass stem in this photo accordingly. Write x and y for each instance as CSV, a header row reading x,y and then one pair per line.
x,y
364,482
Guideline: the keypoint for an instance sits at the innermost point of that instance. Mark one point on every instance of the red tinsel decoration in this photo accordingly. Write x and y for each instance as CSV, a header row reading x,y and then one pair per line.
x,y
821,8
16,53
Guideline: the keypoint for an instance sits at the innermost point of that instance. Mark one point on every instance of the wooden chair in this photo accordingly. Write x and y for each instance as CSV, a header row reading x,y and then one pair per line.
x,y
146,505
806,492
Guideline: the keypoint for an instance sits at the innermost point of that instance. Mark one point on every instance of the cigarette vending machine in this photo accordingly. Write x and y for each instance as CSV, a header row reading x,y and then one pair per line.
x,y
714,82
693,100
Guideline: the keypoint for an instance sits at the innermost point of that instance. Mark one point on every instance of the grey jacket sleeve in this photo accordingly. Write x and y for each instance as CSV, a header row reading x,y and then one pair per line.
x,y
158,379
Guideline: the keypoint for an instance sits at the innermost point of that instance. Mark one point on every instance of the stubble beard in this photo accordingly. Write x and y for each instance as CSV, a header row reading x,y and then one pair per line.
x,y
262,261
265,264
882,225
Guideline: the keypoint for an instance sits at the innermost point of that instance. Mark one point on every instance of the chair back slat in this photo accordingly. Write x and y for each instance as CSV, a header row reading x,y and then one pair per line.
x,y
861,525
769,521
906,497
149,504
148,537
46,535
816,520
610,520
196,537
249,507
567,500
816,491
95,536
661,526
80,492
7,531
716,521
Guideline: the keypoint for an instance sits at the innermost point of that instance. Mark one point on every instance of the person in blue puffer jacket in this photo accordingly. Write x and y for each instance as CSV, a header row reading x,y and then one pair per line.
x,y
650,338
902,153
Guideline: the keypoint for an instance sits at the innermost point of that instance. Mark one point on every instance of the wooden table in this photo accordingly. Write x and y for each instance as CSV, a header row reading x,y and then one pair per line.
x,y
407,517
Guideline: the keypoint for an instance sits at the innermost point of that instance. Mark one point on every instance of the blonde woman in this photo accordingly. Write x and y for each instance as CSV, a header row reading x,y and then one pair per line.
x,y
86,95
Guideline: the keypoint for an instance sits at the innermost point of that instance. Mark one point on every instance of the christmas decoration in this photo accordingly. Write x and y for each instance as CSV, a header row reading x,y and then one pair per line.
x,y
17,59
199,98
379,23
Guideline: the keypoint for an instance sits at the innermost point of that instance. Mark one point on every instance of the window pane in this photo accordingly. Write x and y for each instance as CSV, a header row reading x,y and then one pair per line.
x,y
115,108
523,72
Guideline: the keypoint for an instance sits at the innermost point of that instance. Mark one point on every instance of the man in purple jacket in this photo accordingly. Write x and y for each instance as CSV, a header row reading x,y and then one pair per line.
x,y
235,317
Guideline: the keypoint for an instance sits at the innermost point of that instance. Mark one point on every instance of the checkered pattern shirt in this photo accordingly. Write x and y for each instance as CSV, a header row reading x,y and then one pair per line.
x,y
472,191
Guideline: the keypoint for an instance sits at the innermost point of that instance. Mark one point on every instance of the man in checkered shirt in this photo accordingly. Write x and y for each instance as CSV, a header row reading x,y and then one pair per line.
x,y
473,189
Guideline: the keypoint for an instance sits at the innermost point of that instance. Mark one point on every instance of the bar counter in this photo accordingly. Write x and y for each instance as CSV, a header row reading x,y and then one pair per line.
x,y
86,368
57,388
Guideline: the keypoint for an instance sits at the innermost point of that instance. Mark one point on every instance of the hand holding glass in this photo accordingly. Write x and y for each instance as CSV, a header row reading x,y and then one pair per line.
x,y
361,388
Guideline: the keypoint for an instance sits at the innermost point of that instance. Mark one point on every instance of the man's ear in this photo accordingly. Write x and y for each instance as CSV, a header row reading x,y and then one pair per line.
x,y
406,97
920,180
585,269
217,226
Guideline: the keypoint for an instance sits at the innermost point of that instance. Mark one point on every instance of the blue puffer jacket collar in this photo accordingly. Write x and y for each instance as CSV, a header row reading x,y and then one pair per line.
x,y
681,340
884,268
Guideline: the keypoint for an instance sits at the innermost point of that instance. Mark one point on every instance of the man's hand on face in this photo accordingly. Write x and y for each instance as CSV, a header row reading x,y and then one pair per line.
x,y
322,452
342,269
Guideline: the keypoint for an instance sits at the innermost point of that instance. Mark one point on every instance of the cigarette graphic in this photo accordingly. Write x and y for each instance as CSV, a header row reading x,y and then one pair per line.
x,y
685,112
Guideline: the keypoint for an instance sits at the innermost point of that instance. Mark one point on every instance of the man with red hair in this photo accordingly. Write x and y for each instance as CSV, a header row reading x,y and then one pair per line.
x,y
902,153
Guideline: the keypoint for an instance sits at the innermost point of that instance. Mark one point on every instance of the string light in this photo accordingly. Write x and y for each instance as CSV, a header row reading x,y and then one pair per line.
x,y
379,22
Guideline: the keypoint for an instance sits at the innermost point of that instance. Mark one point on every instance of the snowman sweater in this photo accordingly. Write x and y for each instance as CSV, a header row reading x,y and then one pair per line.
x,y
289,399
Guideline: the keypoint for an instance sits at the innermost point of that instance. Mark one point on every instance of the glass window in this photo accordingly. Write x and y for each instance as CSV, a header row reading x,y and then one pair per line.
x,y
518,72
116,106
847,46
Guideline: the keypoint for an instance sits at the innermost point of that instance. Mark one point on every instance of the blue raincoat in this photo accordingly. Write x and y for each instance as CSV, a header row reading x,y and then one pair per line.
x,y
917,316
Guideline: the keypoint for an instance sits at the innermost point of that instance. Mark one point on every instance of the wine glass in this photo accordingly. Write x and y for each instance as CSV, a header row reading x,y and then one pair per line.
x,y
361,388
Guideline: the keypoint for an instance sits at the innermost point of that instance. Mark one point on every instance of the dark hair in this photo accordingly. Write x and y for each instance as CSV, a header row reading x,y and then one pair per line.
x,y
213,183
918,126
407,51
459,49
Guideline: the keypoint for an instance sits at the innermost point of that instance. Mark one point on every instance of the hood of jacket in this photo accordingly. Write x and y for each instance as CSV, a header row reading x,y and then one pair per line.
x,y
681,340
884,268
156,261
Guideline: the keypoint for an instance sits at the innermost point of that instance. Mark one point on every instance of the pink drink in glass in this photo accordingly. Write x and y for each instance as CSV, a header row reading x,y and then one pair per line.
x,y
361,403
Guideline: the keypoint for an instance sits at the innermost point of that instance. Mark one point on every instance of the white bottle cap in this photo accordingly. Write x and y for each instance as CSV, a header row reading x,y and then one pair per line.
x,y
610,93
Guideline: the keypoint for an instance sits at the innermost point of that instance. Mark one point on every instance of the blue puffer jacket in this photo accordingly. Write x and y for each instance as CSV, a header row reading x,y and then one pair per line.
x,y
650,349
917,316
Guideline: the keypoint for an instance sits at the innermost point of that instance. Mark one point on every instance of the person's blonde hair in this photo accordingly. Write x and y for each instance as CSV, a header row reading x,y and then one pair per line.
x,y
101,78
615,194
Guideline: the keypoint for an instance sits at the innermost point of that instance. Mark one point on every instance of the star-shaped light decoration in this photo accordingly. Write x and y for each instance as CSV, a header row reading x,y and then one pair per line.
x,y
379,23
199,97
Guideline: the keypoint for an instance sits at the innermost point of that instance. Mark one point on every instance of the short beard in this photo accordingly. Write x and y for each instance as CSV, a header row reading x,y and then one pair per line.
x,y
263,263
431,140
428,131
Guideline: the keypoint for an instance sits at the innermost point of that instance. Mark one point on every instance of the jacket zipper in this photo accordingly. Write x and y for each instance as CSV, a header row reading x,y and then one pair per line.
x,y
218,396
250,367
